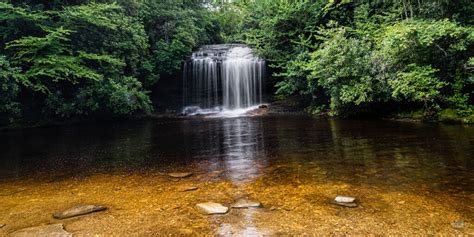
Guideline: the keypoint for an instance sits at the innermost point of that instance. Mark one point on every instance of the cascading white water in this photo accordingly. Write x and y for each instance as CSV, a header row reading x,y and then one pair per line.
x,y
224,77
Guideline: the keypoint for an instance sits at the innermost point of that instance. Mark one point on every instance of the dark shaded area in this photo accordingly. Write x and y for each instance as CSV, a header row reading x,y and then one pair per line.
x,y
391,155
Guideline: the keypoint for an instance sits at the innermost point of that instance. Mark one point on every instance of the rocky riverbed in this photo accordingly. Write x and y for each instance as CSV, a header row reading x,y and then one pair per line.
x,y
153,204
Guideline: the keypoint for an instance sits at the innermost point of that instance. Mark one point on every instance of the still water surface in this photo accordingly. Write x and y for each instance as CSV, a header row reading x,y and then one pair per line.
x,y
410,178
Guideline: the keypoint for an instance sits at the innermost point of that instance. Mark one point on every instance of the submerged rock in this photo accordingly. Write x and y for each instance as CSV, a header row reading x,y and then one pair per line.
x,y
56,230
180,175
78,210
245,203
459,224
210,208
346,204
187,189
345,201
342,199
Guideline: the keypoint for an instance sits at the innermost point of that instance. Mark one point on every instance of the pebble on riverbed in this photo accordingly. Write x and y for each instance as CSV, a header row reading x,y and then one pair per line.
x,y
78,210
210,208
187,189
345,201
245,203
46,230
180,175
459,224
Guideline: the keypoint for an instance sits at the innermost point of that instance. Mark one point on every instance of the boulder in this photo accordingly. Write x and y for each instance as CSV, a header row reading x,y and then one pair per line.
x,y
211,208
56,230
78,210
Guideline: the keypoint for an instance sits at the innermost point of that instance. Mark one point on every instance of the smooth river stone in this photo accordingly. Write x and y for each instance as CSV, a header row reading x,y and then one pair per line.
x,y
245,203
345,201
56,230
187,189
210,208
459,224
346,204
180,175
78,210
342,199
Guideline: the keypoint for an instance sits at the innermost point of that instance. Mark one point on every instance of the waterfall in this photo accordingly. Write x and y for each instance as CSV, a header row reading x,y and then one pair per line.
x,y
222,77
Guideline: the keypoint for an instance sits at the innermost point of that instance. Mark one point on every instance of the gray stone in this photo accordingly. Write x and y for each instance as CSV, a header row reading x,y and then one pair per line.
x,y
346,204
210,208
180,175
345,201
56,230
78,210
245,203
458,224
342,199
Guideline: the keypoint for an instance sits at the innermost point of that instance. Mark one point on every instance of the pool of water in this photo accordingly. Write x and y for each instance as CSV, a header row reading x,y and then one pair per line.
x,y
408,178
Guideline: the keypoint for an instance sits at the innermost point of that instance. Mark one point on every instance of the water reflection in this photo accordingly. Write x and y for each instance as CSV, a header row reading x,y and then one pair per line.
x,y
243,145
242,149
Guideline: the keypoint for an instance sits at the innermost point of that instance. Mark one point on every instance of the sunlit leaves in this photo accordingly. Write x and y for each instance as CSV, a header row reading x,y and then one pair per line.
x,y
417,83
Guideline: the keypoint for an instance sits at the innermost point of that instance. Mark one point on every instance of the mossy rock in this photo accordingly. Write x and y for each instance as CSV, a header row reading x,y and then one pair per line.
x,y
415,115
469,119
452,116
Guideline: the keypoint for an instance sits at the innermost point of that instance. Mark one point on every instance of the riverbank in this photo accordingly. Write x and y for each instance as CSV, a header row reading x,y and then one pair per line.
x,y
447,116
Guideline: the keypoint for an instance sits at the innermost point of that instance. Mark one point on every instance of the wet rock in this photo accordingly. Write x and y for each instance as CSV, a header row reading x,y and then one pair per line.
x,y
245,203
459,224
56,230
78,210
180,175
263,107
210,208
344,204
187,189
342,199
345,201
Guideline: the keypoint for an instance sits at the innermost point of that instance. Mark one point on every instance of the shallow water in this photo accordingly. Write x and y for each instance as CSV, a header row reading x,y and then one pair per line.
x,y
408,178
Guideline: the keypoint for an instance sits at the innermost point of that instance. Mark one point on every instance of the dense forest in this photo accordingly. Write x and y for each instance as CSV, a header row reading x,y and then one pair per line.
x,y
66,59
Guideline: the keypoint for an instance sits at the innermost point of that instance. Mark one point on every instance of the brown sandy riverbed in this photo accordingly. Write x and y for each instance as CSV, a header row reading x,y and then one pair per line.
x,y
154,204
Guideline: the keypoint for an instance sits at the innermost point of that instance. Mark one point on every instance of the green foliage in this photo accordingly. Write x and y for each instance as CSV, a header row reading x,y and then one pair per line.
x,y
174,30
417,84
10,81
354,55
75,58
48,60
70,58
342,66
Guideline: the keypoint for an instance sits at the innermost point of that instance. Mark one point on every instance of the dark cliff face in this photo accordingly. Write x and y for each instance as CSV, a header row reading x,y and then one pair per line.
x,y
167,94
